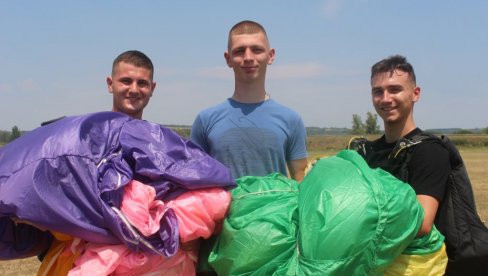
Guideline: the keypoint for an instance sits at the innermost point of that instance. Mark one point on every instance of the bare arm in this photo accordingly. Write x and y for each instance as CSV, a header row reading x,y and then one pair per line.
x,y
430,205
296,168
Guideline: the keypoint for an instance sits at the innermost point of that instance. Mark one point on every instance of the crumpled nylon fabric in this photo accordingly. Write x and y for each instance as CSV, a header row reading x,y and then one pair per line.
x,y
62,253
68,176
140,207
343,219
99,260
259,235
430,264
198,212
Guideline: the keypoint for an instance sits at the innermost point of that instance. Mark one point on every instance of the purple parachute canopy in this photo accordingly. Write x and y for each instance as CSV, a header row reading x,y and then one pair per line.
x,y
68,176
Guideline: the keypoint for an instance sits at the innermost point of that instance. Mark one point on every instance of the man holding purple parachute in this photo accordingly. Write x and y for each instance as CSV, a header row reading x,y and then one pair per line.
x,y
68,176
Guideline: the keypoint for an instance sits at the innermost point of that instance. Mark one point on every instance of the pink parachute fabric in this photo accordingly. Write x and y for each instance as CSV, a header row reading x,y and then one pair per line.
x,y
198,213
141,209
100,259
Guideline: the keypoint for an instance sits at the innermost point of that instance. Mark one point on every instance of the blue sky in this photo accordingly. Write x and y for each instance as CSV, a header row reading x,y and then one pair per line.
x,y
56,55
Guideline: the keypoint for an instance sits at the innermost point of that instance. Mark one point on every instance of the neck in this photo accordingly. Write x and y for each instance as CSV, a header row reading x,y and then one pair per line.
x,y
133,115
250,93
393,132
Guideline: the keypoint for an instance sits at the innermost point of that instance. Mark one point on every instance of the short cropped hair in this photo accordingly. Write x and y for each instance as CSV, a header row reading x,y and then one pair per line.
x,y
136,58
246,27
391,64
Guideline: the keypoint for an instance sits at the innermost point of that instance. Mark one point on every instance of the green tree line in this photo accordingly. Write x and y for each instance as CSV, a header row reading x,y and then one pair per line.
x,y
8,136
369,126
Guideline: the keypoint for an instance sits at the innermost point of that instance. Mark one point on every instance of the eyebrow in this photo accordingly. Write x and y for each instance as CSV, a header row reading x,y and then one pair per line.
x,y
387,87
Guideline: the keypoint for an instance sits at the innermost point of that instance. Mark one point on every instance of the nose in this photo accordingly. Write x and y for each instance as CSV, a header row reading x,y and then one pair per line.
x,y
134,87
386,97
248,54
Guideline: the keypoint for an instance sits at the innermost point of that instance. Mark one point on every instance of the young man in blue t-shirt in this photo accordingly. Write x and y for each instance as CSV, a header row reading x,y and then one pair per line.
x,y
249,132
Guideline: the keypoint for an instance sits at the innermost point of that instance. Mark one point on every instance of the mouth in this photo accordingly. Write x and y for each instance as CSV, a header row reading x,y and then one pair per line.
x,y
388,108
131,98
249,69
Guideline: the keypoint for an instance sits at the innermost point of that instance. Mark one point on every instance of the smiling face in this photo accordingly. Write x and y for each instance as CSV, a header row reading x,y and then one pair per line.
x,y
248,55
132,87
394,94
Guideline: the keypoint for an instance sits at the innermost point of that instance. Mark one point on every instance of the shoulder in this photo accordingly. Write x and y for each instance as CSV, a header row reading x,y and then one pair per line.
x,y
275,104
282,111
431,151
428,143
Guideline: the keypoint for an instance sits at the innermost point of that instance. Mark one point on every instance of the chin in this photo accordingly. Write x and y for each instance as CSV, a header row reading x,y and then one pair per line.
x,y
392,122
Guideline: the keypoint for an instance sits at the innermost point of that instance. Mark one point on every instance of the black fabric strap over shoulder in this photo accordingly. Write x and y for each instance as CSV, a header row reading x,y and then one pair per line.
x,y
359,144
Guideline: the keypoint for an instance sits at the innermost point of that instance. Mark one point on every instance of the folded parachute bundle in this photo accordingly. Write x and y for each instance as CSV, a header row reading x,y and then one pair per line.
x,y
197,213
343,219
69,178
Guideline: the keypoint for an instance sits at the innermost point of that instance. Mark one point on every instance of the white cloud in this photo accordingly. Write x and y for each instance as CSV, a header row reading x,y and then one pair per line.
x,y
297,71
330,8
5,88
26,85
288,71
166,71
220,72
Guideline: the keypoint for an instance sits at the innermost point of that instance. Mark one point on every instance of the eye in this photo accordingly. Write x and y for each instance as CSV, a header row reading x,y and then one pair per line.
x,y
377,92
395,89
257,50
238,51
143,84
126,81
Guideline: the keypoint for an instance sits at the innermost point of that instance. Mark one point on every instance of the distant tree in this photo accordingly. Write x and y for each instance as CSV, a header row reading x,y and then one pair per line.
x,y
182,131
4,136
371,124
14,134
463,131
486,130
358,126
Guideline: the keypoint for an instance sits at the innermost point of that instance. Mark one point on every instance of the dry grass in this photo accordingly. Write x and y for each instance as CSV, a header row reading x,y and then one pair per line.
x,y
21,267
476,161
475,158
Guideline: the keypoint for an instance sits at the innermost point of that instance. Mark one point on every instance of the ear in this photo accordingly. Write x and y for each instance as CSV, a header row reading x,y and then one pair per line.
x,y
109,84
271,56
416,94
227,59
152,89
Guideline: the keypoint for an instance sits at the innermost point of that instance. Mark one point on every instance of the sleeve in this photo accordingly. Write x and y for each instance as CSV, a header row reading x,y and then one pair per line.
x,y
429,170
19,240
198,135
297,144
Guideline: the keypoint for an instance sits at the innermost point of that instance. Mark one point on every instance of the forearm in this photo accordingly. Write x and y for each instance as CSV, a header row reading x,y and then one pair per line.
x,y
430,205
296,169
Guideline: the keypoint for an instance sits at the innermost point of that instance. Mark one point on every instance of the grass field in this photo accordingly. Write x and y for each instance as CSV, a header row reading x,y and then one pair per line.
x,y
474,150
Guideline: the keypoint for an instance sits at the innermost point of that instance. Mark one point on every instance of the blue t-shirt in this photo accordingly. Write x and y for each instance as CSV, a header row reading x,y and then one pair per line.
x,y
251,139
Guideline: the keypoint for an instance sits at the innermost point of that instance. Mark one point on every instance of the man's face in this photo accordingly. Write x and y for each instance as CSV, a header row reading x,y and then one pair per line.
x,y
132,87
394,96
248,56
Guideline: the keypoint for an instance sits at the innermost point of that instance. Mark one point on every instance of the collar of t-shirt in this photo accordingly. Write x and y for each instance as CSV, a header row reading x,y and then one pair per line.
x,y
382,144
